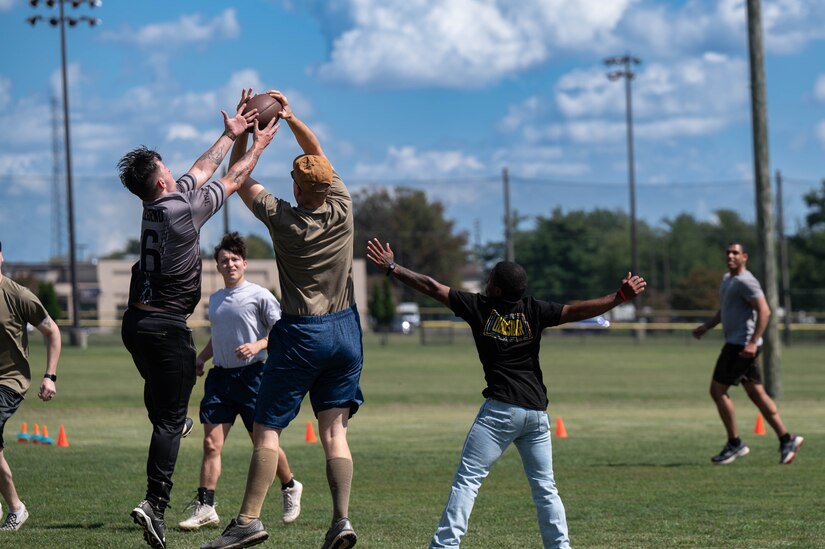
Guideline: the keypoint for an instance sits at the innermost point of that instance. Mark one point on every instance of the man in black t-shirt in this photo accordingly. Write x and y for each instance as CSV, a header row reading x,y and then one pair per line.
x,y
166,287
507,331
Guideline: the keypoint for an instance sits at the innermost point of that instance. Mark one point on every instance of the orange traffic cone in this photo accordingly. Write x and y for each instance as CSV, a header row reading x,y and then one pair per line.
x,y
46,439
759,428
36,436
310,434
561,432
23,435
62,441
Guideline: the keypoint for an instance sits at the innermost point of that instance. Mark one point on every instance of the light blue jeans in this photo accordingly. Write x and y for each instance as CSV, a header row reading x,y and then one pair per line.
x,y
496,426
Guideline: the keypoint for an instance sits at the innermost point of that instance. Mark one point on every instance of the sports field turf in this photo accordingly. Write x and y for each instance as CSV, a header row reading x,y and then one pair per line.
x,y
634,472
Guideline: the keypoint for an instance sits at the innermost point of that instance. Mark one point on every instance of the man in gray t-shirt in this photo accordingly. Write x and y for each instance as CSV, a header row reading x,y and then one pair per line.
x,y
166,287
744,314
242,315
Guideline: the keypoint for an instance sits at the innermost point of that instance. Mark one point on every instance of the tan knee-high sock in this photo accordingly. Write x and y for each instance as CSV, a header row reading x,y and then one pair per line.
x,y
262,471
339,476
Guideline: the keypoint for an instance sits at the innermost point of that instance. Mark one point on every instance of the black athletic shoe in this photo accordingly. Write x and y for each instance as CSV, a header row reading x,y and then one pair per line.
x,y
730,452
236,536
788,450
188,425
340,535
151,520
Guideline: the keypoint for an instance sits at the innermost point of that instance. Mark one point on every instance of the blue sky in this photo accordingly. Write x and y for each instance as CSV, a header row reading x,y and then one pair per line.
x,y
437,95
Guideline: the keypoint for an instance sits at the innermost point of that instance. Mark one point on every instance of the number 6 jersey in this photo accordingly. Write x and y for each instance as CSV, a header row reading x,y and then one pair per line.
x,y
168,274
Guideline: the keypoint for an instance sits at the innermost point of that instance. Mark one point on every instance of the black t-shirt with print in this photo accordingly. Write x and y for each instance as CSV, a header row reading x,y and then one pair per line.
x,y
508,336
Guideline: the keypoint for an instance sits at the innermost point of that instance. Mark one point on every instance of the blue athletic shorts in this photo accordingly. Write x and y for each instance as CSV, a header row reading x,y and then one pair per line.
x,y
229,392
322,355
10,401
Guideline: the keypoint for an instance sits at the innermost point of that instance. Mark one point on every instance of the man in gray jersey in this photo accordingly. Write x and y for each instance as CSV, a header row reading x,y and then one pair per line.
x,y
166,286
744,313
316,346
241,314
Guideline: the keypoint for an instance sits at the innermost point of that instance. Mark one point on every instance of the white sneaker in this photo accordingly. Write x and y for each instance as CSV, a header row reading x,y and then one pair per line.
x,y
202,515
15,520
292,501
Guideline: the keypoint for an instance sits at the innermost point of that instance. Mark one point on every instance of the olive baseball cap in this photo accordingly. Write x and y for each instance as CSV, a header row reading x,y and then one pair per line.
x,y
312,173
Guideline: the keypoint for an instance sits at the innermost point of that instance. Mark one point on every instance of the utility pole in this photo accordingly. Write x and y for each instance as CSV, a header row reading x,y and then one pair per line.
x,y
783,261
627,61
508,218
77,337
58,218
771,349
225,209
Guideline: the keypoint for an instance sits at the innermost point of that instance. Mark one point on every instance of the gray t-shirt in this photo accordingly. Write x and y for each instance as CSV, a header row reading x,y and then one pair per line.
x,y
738,315
168,274
243,314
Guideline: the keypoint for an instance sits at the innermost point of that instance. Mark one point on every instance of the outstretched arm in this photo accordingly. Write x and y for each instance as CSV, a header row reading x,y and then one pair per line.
x,y
700,330
305,137
51,332
205,166
239,171
632,285
251,188
384,258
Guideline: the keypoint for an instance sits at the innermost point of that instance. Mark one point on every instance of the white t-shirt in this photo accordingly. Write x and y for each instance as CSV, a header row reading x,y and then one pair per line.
x,y
243,314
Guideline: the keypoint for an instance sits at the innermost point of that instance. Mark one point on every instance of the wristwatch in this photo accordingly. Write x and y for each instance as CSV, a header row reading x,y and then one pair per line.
x,y
53,377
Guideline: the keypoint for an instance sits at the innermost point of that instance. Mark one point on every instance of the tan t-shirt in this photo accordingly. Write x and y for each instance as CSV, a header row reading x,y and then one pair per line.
x,y
18,307
313,250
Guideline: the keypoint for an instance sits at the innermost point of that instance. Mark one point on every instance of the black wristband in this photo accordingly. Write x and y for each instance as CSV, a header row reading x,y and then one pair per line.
x,y
391,268
53,377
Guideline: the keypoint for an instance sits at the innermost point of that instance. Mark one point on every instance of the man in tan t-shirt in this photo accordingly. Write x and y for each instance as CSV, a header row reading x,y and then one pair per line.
x,y
18,308
316,345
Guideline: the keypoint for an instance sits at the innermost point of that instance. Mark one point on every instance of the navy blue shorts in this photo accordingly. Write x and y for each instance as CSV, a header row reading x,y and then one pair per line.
x,y
10,401
731,369
230,392
322,355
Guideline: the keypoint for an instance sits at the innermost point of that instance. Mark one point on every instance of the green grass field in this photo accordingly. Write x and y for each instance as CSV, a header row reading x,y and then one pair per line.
x,y
634,472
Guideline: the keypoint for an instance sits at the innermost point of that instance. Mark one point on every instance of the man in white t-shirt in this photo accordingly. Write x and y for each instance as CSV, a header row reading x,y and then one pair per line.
x,y
242,314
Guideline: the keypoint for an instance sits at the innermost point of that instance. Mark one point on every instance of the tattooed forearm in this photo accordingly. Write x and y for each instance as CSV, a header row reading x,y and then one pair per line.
x,y
214,155
243,167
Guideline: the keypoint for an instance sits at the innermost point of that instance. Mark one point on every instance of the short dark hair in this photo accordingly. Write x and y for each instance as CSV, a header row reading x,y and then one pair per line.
x,y
510,278
232,243
137,169
738,243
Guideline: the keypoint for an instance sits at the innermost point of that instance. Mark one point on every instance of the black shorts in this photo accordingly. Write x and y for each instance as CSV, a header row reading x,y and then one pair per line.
x,y
732,368
10,401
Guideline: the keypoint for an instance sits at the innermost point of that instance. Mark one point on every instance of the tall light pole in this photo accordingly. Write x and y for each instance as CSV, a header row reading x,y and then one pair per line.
x,y
627,61
76,336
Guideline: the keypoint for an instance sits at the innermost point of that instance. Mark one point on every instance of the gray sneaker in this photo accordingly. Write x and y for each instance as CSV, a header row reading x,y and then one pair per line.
x,y
788,450
730,452
292,501
340,535
236,536
15,520
151,520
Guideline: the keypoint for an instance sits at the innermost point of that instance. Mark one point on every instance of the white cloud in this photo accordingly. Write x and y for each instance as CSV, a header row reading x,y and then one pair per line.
x,y
187,29
6,5
407,162
819,88
400,43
